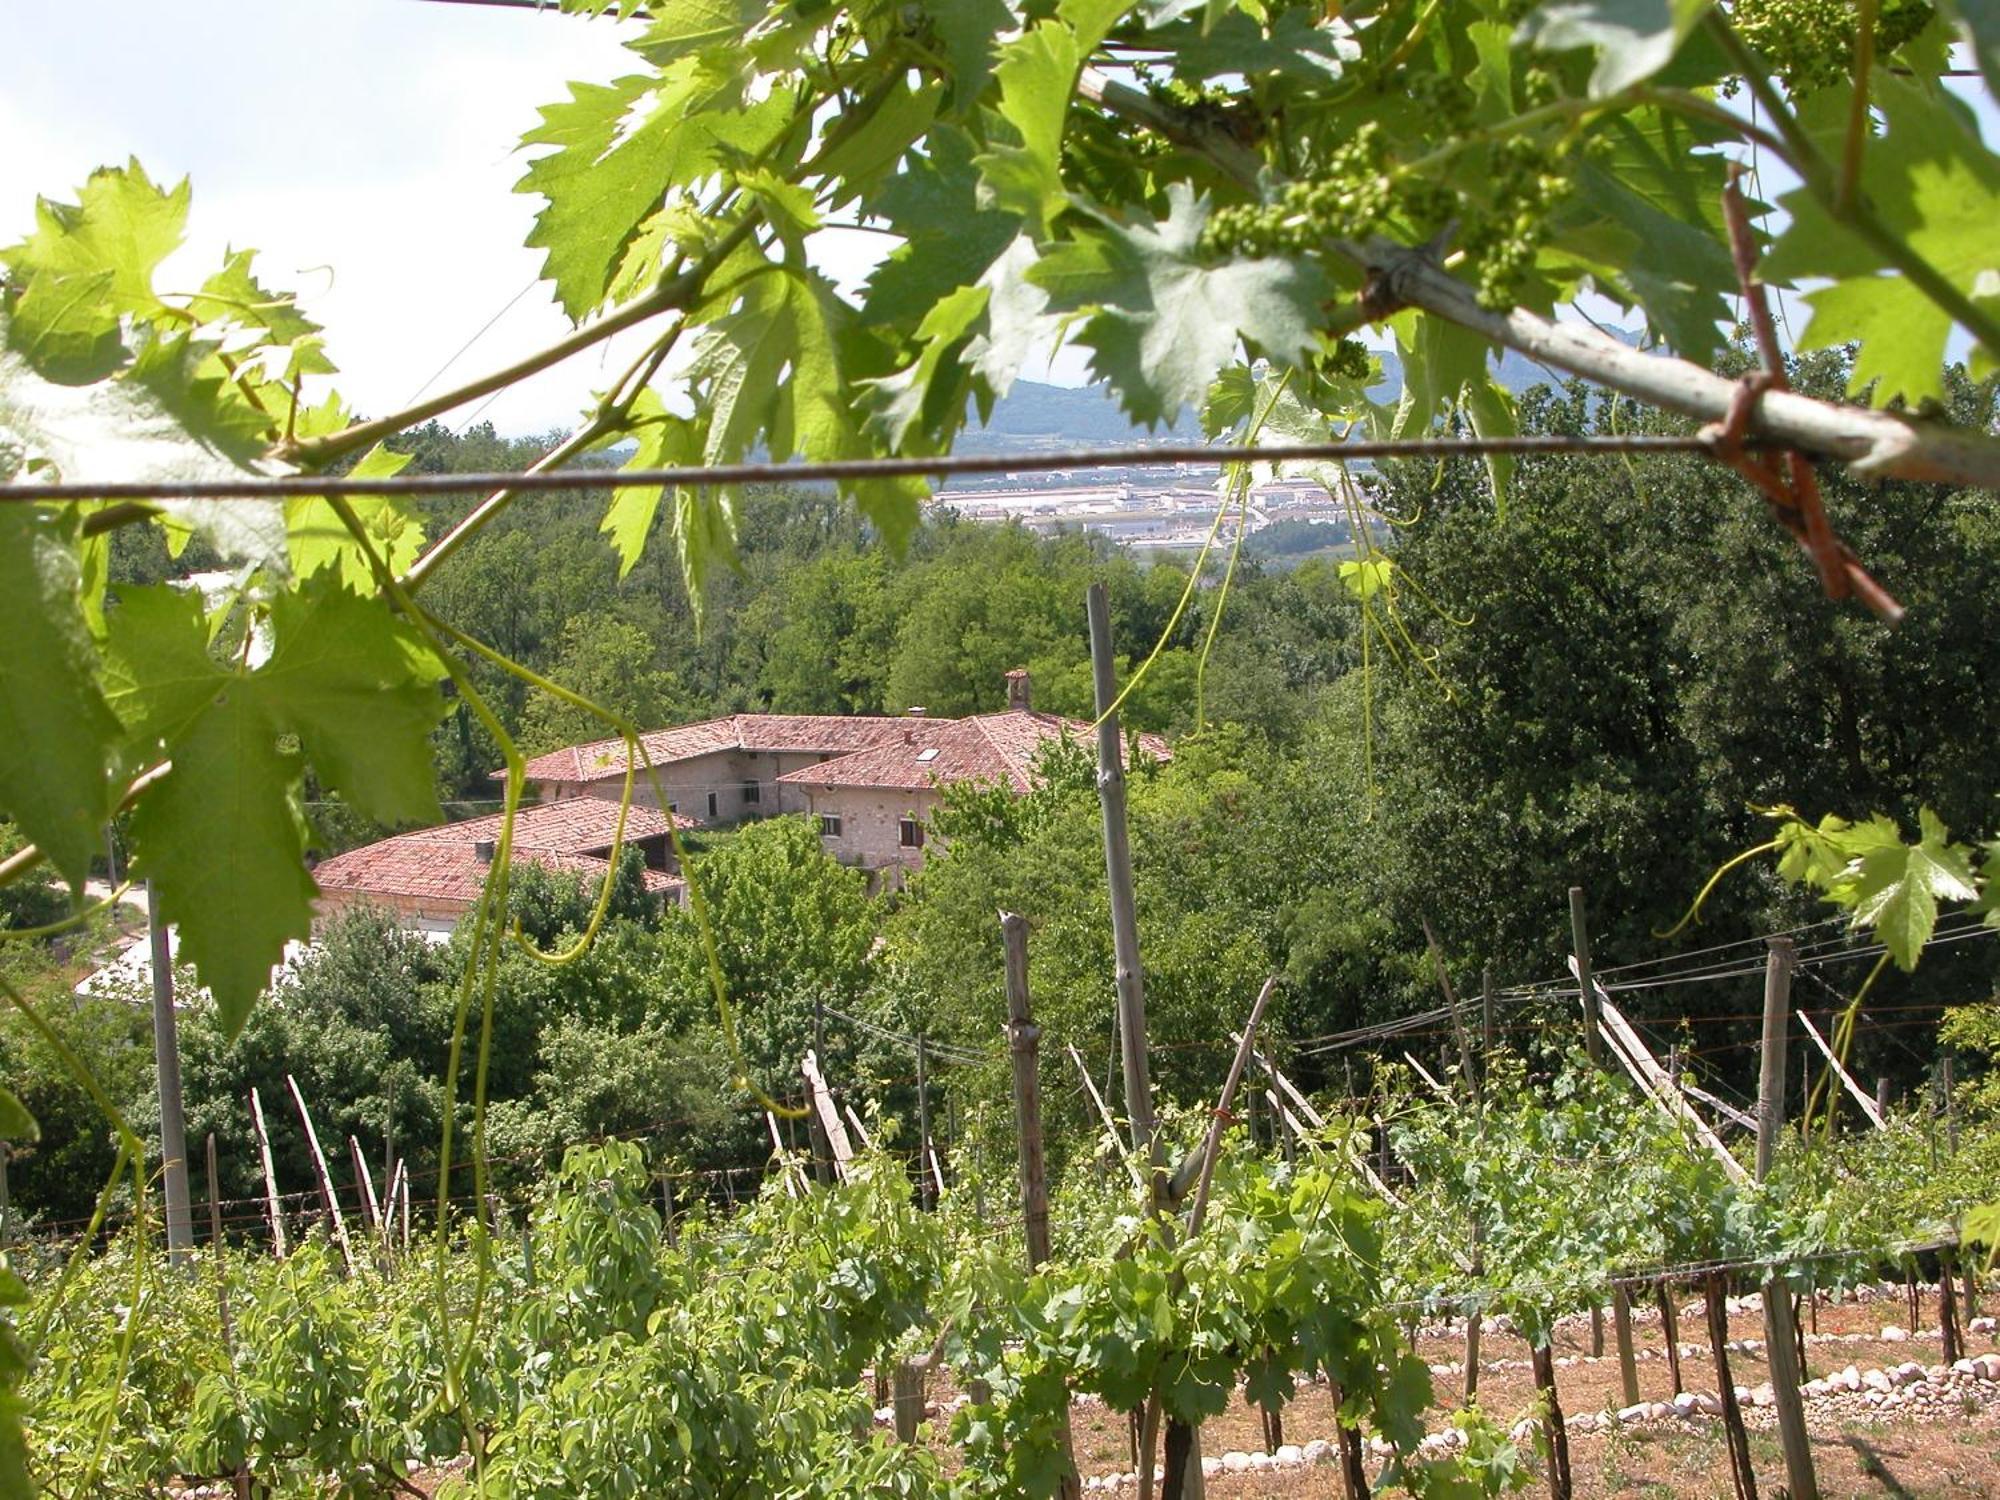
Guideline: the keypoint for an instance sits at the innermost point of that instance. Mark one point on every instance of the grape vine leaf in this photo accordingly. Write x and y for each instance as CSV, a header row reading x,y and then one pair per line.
x,y
55,755
968,29
221,834
234,295
1896,886
162,420
1163,320
1634,39
359,689
1037,74
122,223
16,1123
222,838
619,148
317,539
664,440
1933,185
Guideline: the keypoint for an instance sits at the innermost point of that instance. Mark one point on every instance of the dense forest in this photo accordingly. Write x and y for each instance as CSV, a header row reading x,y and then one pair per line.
x,y
1599,685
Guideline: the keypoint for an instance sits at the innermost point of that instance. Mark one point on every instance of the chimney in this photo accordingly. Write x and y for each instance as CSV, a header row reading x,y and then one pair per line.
x,y
483,850
1017,690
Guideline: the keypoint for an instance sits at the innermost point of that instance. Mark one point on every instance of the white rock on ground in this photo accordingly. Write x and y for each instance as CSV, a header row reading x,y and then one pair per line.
x,y
1290,1456
1877,1380
1319,1451
1894,1335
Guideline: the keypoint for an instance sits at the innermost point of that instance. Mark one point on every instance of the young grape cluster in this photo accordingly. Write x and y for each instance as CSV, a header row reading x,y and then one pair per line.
x,y
1360,191
1528,180
1810,43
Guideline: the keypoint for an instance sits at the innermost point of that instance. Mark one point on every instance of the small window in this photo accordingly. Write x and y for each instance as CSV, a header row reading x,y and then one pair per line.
x,y
711,804
752,794
926,756
829,826
912,833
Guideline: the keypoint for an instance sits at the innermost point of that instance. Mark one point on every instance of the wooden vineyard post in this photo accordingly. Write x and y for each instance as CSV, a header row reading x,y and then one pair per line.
x,y
1579,931
1104,1114
1670,1326
927,1189
1870,1107
1621,1325
371,1209
270,1176
1023,1046
830,1124
1948,1329
167,1067
1131,983
326,1192
1353,1467
240,1480
1554,1432
778,1152
1024,1039
1715,1294
1781,1336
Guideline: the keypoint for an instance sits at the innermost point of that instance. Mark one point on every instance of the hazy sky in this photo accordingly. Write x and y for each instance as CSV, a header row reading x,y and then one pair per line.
x,y
365,147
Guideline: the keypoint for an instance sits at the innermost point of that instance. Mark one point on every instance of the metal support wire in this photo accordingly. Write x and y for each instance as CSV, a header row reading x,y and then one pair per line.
x,y
252,487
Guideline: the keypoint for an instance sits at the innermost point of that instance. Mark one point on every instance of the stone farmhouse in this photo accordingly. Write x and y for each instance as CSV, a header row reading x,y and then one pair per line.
x,y
872,781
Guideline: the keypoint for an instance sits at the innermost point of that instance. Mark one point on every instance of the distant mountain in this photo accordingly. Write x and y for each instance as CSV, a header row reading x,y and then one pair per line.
x,y
1033,417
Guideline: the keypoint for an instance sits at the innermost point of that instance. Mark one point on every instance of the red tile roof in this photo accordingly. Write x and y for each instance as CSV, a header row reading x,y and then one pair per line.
x,y
444,864
808,734
988,748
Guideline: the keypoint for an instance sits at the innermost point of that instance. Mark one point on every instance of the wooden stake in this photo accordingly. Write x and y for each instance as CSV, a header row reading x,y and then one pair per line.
x,y
1104,1114
218,1252
1638,1061
1781,1334
1579,933
271,1206
1621,1324
1954,1345
371,1206
167,1068
1023,1046
860,1130
1124,904
778,1153
326,1193
1555,1434
927,1191
1670,1325
1741,1472
828,1117
1854,1090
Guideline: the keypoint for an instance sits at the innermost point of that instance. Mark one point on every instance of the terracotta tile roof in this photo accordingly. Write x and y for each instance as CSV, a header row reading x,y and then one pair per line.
x,y
443,863
808,734
985,747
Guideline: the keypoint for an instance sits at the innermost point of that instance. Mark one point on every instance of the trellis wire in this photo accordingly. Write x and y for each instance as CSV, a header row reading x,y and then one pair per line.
x,y
697,476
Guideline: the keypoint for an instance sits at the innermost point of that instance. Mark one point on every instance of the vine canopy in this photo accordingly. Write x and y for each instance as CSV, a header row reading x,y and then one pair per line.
x,y
1213,200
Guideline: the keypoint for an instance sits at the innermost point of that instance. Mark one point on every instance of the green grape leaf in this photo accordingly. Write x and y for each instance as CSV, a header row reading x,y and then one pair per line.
x,y
222,839
664,440
65,327
1440,360
1896,887
1655,179
316,538
16,1123
968,29
55,754
1166,320
917,394
1490,407
1037,73
234,295
1018,320
158,674
1902,334
704,535
688,26
360,690
1634,39
1298,45
122,223
951,240
619,148
160,421
1933,185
